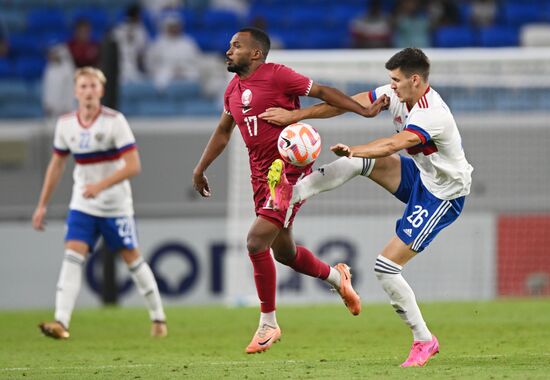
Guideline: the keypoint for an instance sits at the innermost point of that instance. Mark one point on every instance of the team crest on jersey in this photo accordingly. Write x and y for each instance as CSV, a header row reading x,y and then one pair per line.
x,y
246,98
99,137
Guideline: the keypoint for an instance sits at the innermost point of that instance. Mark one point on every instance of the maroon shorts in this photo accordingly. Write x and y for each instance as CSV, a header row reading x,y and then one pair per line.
x,y
262,199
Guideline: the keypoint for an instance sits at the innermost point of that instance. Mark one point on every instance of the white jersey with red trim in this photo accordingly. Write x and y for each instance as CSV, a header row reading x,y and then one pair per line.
x,y
444,170
97,151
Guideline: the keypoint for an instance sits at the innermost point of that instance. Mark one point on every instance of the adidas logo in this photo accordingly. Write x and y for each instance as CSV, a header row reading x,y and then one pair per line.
x,y
408,231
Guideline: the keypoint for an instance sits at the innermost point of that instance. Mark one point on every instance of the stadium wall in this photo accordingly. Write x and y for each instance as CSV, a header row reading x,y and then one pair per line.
x,y
498,247
194,264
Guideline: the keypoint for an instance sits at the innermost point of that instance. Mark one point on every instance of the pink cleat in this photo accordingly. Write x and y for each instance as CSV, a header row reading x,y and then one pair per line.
x,y
263,339
421,352
280,188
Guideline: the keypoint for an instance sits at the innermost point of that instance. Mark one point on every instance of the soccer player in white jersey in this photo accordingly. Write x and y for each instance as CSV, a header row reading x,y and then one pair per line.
x,y
106,156
432,182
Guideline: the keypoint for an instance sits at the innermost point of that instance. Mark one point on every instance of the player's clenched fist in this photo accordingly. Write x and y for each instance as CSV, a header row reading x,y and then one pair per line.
x,y
341,150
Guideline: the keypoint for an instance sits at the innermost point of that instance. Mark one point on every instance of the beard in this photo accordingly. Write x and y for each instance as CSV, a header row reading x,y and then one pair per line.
x,y
238,68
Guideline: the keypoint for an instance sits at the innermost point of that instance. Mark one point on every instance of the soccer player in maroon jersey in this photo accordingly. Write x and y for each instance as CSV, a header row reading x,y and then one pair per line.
x,y
256,87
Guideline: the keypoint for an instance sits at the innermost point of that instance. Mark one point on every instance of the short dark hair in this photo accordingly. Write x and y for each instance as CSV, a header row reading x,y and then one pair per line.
x,y
410,61
260,37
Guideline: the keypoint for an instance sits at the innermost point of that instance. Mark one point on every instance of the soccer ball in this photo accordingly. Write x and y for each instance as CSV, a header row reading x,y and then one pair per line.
x,y
299,144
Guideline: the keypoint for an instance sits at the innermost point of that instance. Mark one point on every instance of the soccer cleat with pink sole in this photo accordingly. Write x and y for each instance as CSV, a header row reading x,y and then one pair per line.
x,y
421,352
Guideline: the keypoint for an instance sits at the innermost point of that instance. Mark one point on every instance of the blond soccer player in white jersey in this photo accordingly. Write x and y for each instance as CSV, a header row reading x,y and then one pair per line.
x,y
432,182
106,156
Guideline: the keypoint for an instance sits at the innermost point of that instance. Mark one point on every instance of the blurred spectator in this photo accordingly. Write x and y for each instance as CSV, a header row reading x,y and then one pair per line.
x,y
157,7
444,13
132,39
58,82
483,12
173,55
84,50
411,25
4,47
373,29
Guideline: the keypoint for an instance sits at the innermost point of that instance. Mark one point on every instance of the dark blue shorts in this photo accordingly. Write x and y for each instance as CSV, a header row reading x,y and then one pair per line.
x,y
118,232
425,214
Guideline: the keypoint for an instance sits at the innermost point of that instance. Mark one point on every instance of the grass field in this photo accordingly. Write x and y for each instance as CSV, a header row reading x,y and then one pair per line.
x,y
507,339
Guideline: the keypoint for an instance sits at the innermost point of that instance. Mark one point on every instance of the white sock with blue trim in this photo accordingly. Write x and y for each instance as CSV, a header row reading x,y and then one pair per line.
x,y
331,176
68,286
402,297
147,286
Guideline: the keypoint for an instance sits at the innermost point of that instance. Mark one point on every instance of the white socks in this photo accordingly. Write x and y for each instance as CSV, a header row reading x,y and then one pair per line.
x,y
68,286
333,278
147,286
402,297
269,319
331,176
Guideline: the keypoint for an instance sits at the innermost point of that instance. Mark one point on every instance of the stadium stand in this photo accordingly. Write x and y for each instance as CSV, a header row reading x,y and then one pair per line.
x,y
31,26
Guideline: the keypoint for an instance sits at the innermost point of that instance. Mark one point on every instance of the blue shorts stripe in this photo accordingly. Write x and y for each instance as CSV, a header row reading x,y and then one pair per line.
x,y
436,217
429,223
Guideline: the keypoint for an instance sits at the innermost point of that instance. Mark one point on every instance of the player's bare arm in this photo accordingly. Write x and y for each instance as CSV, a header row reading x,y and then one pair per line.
x,y
55,170
216,145
131,168
383,147
280,116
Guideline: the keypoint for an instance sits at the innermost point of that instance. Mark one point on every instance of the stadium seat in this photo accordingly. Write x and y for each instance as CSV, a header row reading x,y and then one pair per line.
x,y
465,12
341,14
183,89
520,13
306,17
213,41
14,89
201,107
513,100
498,36
11,110
29,67
455,36
191,20
13,20
134,91
25,44
157,108
6,68
46,20
220,19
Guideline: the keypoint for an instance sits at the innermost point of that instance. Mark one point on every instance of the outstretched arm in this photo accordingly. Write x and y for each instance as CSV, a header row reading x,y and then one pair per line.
x,y
379,148
280,116
217,143
51,180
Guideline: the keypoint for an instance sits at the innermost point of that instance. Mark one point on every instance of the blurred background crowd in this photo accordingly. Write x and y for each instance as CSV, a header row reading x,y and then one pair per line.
x,y
169,53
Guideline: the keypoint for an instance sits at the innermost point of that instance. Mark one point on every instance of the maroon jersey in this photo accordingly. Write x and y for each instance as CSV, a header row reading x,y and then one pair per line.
x,y
271,85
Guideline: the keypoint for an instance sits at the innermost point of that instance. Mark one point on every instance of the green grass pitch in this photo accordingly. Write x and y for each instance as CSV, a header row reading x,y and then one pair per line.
x,y
506,339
